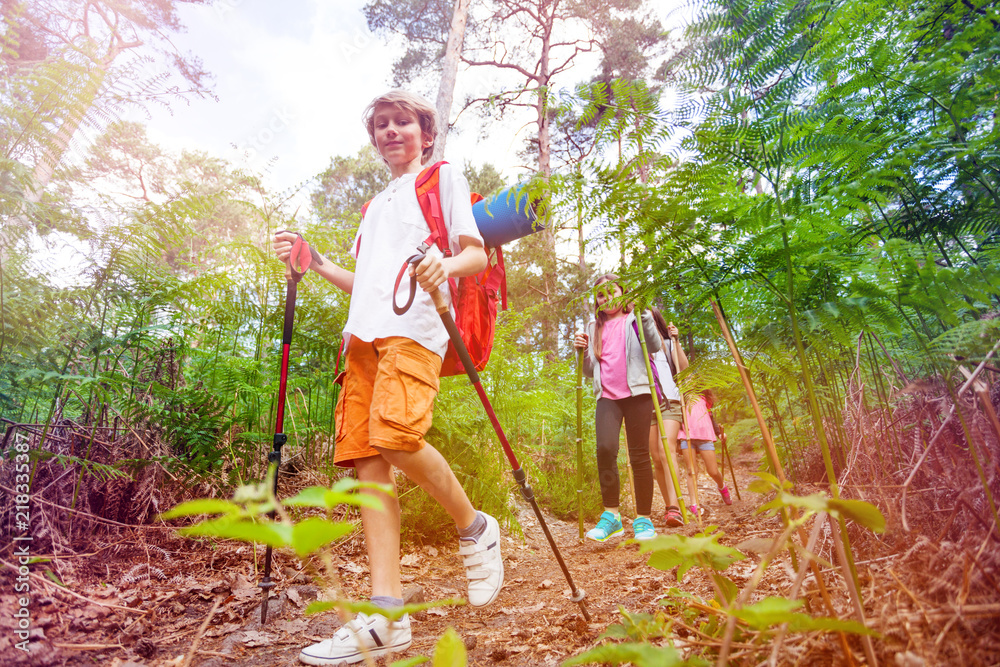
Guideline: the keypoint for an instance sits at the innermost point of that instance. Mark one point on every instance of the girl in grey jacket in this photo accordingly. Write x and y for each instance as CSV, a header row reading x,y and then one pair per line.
x,y
614,359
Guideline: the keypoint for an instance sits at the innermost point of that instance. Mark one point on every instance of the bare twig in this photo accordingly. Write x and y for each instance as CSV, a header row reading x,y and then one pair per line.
x,y
807,556
53,586
866,640
940,430
201,631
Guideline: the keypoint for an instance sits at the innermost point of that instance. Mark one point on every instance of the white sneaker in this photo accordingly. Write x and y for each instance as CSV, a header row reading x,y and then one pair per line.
x,y
483,564
364,636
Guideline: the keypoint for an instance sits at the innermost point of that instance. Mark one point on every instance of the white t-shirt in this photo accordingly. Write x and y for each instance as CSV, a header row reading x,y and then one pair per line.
x,y
667,383
390,232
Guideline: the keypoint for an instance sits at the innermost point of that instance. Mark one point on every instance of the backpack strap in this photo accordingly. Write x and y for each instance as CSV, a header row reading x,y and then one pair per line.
x,y
503,283
364,209
428,186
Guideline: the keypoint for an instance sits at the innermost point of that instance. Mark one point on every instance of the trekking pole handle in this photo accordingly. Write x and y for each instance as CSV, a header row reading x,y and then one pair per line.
x,y
440,300
301,256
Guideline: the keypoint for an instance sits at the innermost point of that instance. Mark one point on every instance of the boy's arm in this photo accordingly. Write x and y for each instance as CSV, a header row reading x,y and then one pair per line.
x,y
337,275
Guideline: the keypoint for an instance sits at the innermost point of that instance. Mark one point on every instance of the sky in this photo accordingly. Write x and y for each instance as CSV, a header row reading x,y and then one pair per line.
x,y
291,81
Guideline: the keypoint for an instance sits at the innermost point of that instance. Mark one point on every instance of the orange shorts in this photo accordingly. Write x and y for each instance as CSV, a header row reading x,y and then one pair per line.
x,y
387,399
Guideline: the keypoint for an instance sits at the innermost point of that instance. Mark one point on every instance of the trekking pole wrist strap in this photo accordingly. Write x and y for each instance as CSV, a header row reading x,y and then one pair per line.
x,y
301,257
413,259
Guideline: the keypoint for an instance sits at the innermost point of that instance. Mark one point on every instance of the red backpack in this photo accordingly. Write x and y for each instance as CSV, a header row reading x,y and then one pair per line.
x,y
474,298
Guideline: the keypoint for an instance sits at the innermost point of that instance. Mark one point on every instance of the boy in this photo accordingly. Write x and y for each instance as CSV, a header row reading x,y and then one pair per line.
x,y
392,368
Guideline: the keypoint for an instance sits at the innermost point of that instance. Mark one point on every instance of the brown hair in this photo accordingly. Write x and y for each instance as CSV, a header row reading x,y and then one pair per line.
x,y
661,323
600,315
424,111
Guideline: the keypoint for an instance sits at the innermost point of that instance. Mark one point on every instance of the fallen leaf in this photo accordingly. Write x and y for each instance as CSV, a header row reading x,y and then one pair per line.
x,y
352,567
545,585
435,611
292,627
294,596
246,593
410,560
224,629
253,638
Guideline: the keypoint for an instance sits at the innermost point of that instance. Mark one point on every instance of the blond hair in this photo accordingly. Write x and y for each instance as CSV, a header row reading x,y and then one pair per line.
x,y
424,111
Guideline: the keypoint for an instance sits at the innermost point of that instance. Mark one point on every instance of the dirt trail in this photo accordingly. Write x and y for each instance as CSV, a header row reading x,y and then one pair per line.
x,y
147,602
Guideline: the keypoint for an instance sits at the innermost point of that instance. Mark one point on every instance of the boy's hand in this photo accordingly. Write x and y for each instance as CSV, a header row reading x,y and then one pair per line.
x,y
581,341
282,244
430,272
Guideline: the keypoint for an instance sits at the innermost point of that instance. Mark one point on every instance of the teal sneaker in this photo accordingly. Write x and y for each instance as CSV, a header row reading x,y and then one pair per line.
x,y
606,528
643,528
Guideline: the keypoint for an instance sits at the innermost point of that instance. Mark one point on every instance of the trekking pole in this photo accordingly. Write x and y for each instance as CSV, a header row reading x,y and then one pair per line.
x,y
659,423
689,454
727,457
301,256
441,304
579,439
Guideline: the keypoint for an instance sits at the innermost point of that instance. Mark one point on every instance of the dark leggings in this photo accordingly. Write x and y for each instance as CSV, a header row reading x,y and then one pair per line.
x,y
637,412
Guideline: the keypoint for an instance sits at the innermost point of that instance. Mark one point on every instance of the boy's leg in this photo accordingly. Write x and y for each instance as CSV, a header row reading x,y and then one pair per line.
x,y
429,470
405,385
381,528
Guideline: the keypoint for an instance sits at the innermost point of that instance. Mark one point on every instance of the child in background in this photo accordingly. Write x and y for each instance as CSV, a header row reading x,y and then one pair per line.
x,y
670,410
701,437
391,380
615,361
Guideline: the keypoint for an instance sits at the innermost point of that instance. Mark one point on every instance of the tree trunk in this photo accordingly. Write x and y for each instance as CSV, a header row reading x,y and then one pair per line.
x,y
550,332
449,71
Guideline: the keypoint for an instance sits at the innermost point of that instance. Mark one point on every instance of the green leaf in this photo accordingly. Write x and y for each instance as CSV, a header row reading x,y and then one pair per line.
x,y
769,611
640,655
450,650
409,662
317,496
859,511
309,535
273,534
320,606
729,589
684,552
202,506
54,577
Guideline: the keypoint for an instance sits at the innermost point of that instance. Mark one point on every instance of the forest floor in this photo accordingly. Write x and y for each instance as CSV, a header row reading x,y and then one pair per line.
x,y
152,598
